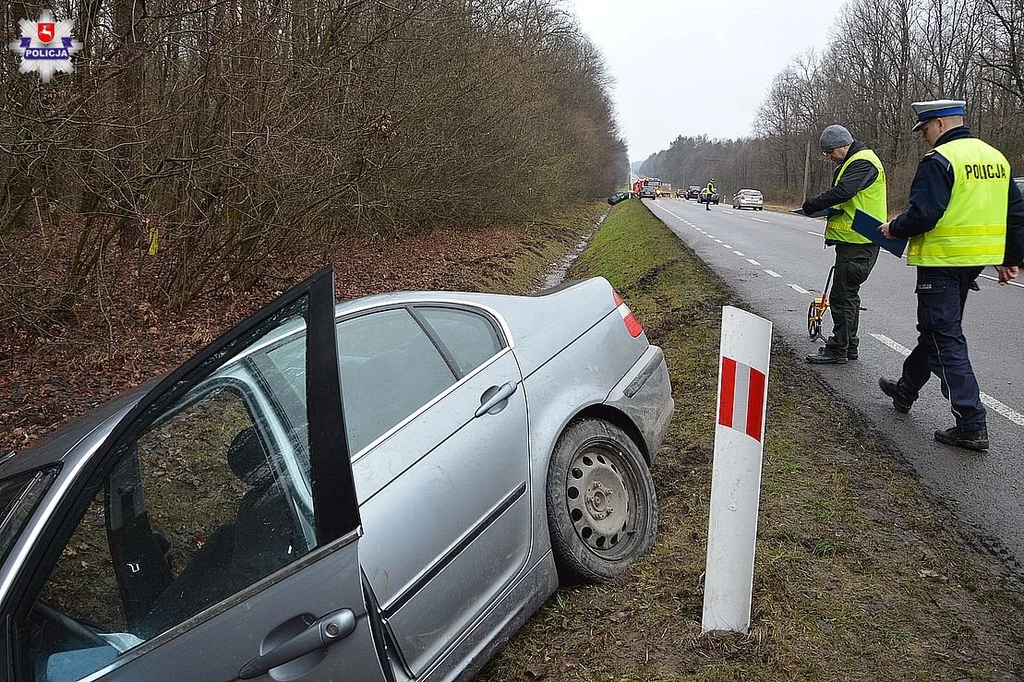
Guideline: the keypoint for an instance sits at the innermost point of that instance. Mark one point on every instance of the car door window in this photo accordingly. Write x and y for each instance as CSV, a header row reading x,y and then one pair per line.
x,y
210,495
470,337
389,369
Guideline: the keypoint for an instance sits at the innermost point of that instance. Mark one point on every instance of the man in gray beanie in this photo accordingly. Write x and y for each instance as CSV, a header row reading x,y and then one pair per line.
x,y
858,183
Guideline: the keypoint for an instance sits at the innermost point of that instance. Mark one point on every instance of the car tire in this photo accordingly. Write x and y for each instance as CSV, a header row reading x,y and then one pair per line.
x,y
595,464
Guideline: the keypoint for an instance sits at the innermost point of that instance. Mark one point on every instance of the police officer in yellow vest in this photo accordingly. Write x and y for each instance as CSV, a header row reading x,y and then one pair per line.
x,y
858,182
710,190
964,214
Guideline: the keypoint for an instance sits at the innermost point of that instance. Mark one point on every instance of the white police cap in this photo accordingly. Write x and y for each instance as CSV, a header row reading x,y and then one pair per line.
x,y
937,108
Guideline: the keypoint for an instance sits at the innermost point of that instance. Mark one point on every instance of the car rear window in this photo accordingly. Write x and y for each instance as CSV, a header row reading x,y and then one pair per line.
x,y
19,496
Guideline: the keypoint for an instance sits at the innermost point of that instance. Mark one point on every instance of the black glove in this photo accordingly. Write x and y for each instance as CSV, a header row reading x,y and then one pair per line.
x,y
809,208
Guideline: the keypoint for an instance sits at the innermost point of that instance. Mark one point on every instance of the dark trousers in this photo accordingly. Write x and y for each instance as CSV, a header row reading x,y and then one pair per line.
x,y
941,346
853,265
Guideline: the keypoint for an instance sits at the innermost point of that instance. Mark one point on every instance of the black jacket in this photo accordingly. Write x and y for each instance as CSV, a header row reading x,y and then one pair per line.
x,y
929,197
859,175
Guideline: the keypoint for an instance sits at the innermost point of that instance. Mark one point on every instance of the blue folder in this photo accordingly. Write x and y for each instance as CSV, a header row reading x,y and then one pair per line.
x,y
866,226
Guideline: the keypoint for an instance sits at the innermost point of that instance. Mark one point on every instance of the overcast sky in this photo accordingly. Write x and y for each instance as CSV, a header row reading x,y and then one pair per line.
x,y
655,48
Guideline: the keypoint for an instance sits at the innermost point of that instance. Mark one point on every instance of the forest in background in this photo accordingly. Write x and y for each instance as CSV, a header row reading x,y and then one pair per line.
x,y
199,140
881,56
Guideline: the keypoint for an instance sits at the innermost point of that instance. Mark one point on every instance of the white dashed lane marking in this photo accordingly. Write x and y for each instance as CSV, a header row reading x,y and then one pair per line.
x,y
996,279
902,350
990,402
993,404
739,253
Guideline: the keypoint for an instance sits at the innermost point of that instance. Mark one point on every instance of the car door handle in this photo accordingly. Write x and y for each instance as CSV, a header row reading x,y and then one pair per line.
x,y
493,397
324,632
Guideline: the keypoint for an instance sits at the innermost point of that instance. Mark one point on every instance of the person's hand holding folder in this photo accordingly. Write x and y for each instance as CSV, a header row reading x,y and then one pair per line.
x,y
875,230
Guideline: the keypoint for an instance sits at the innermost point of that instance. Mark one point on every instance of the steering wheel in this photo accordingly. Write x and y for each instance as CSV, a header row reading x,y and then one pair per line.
x,y
80,631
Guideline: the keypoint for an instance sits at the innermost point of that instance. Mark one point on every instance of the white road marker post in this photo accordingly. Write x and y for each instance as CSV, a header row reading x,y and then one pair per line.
x,y
736,472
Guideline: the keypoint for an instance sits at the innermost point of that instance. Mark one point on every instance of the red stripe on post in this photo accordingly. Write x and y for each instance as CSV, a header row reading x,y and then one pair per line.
x,y
727,391
755,404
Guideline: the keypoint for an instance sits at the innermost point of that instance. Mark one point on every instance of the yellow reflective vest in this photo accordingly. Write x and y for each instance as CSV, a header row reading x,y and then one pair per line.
x,y
972,231
871,200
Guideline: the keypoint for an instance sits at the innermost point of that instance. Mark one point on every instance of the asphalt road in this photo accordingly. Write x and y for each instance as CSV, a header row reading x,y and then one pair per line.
x,y
777,264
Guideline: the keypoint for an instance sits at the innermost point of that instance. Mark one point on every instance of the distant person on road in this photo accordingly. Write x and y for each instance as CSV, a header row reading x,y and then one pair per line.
x,y
709,190
964,214
858,182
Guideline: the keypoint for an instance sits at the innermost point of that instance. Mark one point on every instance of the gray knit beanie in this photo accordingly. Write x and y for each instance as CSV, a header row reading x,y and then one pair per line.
x,y
835,136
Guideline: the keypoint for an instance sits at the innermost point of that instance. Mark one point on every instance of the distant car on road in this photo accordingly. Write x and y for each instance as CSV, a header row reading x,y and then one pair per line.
x,y
693,192
487,448
748,198
681,193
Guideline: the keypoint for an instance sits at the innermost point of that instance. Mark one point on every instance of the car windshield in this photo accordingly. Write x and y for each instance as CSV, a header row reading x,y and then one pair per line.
x,y
19,496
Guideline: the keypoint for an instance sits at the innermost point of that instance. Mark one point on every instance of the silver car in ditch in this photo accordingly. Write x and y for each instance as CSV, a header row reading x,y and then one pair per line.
x,y
378,491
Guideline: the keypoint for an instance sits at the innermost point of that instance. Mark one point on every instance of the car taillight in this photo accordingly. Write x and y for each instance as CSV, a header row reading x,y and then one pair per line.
x,y
632,324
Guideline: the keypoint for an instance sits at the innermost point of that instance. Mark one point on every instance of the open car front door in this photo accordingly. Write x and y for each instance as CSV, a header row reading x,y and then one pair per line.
x,y
213,535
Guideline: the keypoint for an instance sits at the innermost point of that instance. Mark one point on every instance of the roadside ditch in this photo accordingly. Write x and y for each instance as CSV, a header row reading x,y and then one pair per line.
x,y
859,575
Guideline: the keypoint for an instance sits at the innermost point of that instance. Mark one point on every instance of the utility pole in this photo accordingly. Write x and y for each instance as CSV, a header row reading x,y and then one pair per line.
x,y
807,168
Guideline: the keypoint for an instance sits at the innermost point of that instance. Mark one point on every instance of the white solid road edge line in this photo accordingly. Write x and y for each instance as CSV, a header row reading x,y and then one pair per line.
x,y
996,405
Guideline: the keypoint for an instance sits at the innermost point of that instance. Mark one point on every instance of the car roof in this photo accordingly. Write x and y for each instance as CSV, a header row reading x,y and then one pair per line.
x,y
96,424
55,446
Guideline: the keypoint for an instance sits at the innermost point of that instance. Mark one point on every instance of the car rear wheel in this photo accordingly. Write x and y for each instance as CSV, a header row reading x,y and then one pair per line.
x,y
602,507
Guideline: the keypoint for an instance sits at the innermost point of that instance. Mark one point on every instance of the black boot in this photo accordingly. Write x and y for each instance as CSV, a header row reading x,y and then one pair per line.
x,y
976,439
827,356
892,389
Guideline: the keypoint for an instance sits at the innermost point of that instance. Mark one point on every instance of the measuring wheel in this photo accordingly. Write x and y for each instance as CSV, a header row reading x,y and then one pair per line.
x,y
817,309
814,315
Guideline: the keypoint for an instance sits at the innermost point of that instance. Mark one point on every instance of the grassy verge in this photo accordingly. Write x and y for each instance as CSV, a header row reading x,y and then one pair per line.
x,y
780,208
858,576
